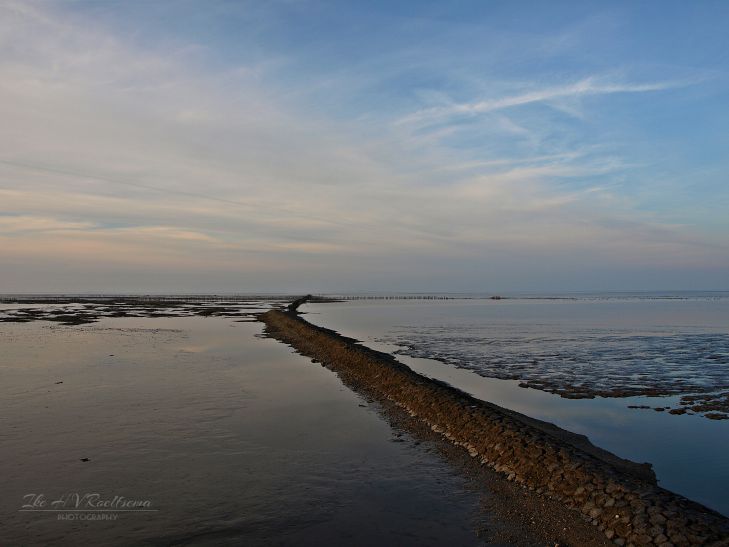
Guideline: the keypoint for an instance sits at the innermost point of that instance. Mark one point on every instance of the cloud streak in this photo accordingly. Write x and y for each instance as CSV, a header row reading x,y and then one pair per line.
x,y
591,86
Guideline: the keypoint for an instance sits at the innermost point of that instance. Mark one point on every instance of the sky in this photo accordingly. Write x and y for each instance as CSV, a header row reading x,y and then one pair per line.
x,y
314,146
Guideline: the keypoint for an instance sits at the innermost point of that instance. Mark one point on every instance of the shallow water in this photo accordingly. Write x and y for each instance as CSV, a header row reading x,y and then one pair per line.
x,y
626,341
230,437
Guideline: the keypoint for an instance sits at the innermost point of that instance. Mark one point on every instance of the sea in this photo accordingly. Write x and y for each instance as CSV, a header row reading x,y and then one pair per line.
x,y
130,423
201,431
611,366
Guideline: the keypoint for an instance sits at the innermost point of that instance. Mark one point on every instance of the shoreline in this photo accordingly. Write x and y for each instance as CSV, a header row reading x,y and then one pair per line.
x,y
619,498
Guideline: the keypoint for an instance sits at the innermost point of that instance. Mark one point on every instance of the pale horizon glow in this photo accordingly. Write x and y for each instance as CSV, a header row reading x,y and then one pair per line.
x,y
318,147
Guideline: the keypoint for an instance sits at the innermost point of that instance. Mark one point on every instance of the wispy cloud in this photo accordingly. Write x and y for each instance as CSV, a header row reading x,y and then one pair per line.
x,y
593,85
23,224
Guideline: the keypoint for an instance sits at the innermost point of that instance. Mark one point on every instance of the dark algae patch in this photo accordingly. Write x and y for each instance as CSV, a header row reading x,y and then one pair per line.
x,y
715,406
82,310
621,499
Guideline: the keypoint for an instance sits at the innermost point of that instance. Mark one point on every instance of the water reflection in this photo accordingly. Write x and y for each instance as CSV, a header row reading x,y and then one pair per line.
x,y
233,438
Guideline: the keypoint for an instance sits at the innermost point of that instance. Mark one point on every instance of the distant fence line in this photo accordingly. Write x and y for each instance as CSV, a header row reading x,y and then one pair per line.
x,y
401,297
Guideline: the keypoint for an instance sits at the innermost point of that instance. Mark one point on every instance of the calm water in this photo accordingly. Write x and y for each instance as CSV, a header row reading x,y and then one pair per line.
x,y
231,438
598,343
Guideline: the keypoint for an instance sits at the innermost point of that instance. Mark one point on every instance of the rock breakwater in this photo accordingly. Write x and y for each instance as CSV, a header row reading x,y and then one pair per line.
x,y
620,497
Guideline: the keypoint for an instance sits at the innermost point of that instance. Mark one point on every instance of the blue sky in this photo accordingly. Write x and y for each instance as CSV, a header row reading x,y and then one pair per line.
x,y
326,146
